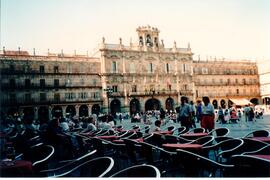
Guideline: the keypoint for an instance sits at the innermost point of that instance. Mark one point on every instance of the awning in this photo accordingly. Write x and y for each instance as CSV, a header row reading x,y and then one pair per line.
x,y
241,102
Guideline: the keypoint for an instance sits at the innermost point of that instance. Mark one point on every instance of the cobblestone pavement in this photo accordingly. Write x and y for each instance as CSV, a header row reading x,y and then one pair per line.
x,y
239,129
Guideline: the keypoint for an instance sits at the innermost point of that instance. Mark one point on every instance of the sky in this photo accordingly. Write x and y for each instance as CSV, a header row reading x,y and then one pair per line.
x,y
233,29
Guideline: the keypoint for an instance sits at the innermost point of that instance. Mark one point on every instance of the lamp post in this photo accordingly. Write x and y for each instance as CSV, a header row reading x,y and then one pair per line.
x,y
109,92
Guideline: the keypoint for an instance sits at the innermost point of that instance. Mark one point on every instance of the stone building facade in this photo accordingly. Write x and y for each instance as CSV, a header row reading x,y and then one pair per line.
x,y
225,82
145,75
46,86
142,76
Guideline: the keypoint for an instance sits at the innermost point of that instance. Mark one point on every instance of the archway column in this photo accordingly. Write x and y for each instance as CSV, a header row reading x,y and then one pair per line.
x,y
89,109
77,107
50,112
64,108
36,113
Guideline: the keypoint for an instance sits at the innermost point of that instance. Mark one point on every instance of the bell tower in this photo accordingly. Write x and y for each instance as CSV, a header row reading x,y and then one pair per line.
x,y
148,37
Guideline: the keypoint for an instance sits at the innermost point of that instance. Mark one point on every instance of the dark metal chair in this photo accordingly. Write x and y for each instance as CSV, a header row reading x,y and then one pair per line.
x,y
262,151
195,165
63,166
197,130
97,167
224,148
257,133
204,141
181,130
139,171
250,166
219,132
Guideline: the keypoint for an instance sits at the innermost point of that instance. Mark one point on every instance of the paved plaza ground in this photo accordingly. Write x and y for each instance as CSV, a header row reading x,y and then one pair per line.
x,y
239,129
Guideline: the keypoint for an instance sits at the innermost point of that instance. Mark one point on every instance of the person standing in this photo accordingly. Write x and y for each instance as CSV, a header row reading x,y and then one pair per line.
x,y
221,116
246,112
185,113
208,115
199,111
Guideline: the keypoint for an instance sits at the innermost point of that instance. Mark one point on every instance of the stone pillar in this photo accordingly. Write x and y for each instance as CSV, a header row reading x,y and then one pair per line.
x,y
50,112
36,113
89,109
77,110
64,108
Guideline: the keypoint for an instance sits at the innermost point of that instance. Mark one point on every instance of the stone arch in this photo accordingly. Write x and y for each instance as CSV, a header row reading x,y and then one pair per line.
x,y
71,110
134,106
83,111
215,104
223,103
96,109
169,104
57,111
29,113
152,104
254,101
115,106
43,114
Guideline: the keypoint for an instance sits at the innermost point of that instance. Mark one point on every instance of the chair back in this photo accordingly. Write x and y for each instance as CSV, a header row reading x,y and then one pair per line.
x,y
171,128
228,148
258,133
250,166
219,132
198,130
97,167
251,145
139,171
204,141
196,165
181,130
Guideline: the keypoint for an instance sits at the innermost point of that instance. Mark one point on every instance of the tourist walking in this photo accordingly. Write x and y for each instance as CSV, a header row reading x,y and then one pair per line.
x,y
208,116
185,113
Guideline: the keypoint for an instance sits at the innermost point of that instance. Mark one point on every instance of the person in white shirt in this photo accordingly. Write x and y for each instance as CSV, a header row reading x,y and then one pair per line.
x,y
208,115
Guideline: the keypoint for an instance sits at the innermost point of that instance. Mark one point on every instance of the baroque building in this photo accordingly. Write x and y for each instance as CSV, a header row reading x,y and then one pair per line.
x,y
46,86
145,75
141,76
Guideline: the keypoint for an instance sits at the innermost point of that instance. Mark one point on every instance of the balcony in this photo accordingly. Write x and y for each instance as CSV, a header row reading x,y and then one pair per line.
x,y
21,101
8,87
37,72
225,84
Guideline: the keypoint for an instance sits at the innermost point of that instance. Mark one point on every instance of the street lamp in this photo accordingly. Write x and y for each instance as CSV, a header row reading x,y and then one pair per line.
x,y
109,92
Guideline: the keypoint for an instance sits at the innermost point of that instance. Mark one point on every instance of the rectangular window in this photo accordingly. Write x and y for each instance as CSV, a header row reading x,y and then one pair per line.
x,y
42,83
184,68
237,91
56,83
27,83
55,69
27,97
114,67
56,97
12,83
41,69
236,81
12,97
150,68
114,88
42,96
134,88
168,68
